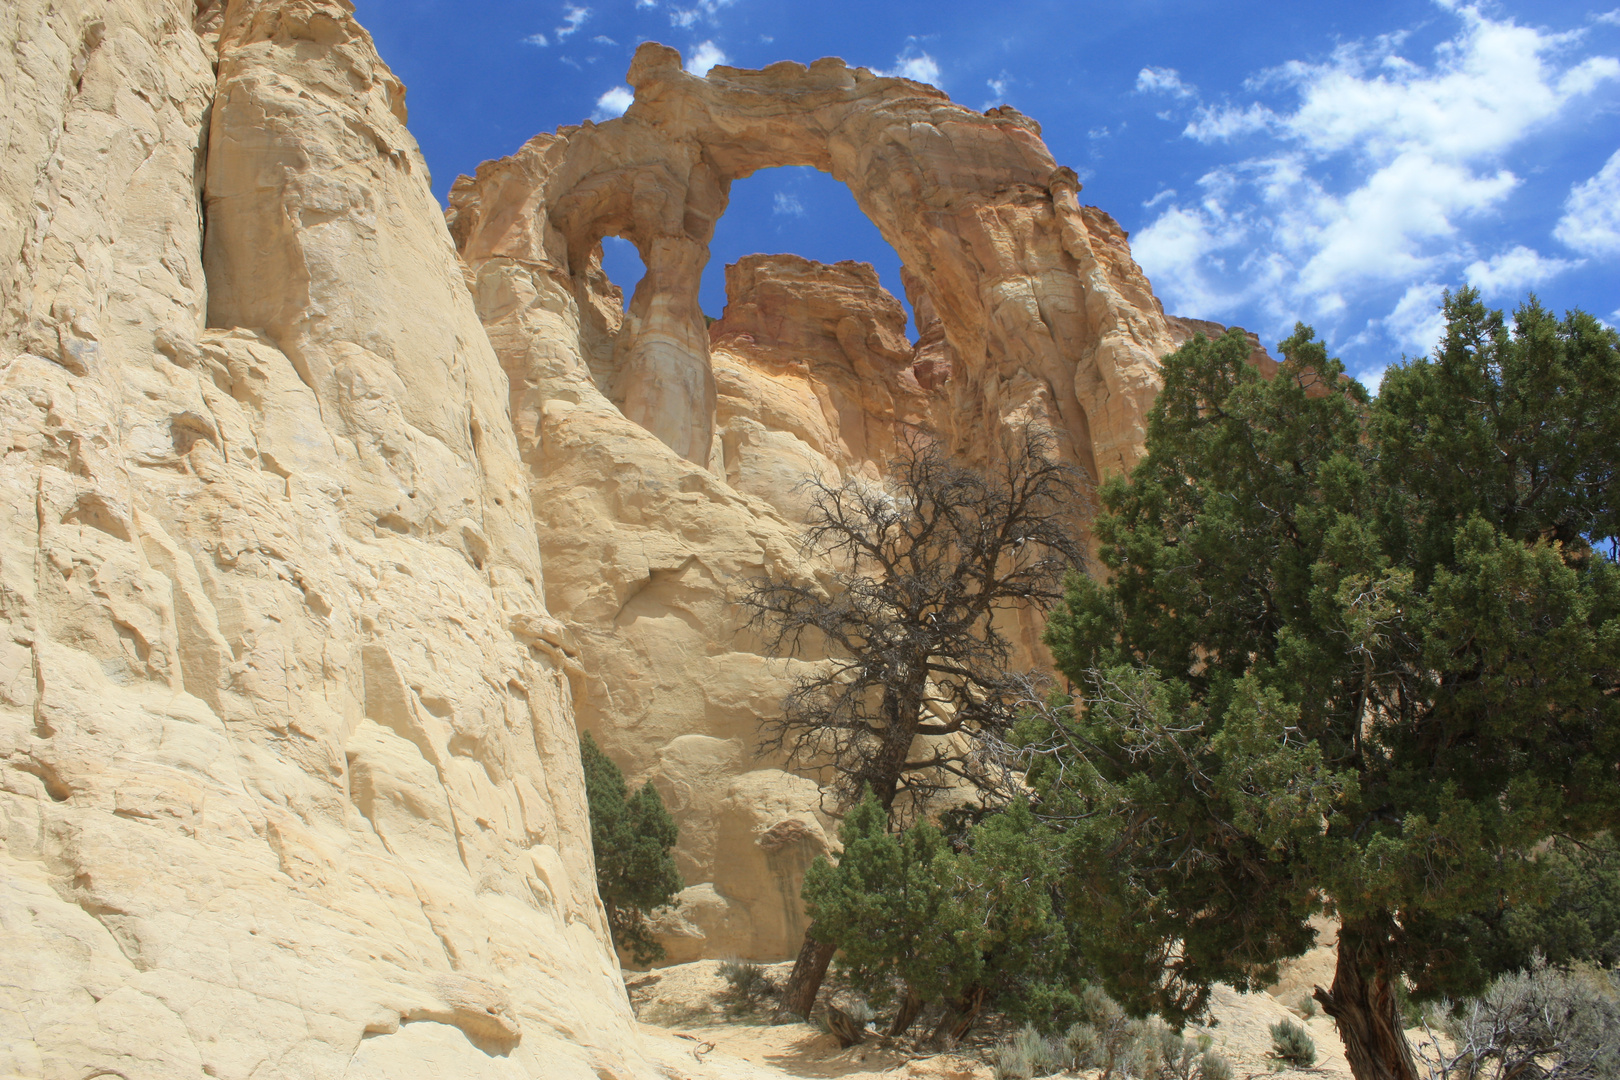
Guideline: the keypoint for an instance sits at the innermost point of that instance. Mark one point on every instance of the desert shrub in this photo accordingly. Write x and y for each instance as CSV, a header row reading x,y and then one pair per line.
x,y
1291,1046
1108,1040
1030,1054
1212,1066
748,987
1307,1005
1540,1024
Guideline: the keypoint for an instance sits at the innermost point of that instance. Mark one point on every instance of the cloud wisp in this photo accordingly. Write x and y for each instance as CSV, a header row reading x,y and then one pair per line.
x,y
914,64
704,57
613,103
1371,179
1591,221
573,18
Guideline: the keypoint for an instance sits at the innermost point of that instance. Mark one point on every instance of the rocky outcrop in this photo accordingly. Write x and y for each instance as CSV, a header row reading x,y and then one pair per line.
x,y
289,783
813,377
1041,313
320,544
668,457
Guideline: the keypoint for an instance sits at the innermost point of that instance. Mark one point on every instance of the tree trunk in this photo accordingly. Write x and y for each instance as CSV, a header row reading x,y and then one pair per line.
x,y
959,1018
799,995
910,1006
1364,1008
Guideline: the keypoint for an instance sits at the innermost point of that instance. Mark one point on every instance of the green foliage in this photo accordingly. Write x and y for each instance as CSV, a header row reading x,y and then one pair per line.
x,y
1581,921
908,909
1291,1046
1355,649
1307,1005
632,837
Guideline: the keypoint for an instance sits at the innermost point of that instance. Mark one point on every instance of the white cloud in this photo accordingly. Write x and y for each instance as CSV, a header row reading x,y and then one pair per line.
x,y
573,18
998,88
1417,324
916,65
1372,174
1167,193
603,39
705,57
1610,17
703,10
646,3
1226,123
787,205
1591,221
613,103
1162,80
536,39
1514,271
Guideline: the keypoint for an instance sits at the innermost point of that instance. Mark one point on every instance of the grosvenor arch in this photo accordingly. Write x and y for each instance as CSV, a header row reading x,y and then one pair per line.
x,y
1033,299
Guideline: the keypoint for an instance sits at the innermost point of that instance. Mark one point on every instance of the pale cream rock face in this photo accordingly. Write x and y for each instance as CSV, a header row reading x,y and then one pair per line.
x,y
669,458
289,783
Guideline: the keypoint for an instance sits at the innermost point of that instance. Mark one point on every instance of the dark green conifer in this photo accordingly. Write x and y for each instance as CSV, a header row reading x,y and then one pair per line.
x,y
632,837
1354,651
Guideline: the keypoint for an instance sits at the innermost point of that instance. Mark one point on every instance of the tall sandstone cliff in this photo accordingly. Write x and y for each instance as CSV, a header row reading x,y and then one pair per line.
x,y
289,782
319,543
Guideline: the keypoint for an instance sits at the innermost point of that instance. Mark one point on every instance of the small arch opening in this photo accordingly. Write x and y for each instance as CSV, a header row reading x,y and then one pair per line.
x,y
622,264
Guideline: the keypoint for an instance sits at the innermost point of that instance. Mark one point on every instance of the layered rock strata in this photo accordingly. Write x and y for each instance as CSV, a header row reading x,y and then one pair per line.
x,y
668,457
289,783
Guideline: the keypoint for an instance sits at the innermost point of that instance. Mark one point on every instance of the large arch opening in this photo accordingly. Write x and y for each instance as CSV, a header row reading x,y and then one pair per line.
x,y
797,210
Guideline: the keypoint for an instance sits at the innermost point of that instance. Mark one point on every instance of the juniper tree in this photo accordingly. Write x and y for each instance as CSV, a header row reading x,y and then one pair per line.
x,y
926,571
1349,651
970,922
632,836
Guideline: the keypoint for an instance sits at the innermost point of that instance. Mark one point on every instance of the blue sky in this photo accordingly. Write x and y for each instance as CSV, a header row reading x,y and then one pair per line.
x,y
1341,164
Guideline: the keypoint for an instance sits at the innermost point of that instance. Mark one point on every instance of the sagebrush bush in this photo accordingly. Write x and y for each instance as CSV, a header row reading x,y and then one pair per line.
x,y
1291,1045
1541,1024
1307,1005
1106,1039
748,986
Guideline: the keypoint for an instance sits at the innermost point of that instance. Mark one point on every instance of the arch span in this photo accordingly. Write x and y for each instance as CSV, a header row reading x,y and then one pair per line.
x,y
1041,313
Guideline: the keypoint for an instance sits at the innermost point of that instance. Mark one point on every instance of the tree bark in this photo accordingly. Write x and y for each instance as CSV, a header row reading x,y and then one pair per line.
x,y
809,969
1364,1007
960,1018
910,1006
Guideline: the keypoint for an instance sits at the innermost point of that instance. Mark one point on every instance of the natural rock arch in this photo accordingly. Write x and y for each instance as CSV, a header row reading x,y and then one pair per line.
x,y
1035,301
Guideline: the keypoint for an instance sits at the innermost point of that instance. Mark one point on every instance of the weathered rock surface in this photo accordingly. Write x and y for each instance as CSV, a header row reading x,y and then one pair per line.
x,y
813,377
288,780
668,456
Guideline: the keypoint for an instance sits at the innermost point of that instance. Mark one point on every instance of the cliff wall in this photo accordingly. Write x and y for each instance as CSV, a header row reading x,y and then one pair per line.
x,y
289,783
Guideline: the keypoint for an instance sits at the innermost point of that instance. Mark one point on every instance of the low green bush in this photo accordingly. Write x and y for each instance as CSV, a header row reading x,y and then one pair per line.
x,y
1291,1046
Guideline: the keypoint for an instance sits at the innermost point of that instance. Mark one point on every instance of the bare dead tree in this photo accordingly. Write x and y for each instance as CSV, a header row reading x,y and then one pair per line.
x,y
915,696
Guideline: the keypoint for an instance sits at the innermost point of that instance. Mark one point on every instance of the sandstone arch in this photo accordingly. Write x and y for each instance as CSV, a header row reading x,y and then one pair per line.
x,y
1040,311
664,454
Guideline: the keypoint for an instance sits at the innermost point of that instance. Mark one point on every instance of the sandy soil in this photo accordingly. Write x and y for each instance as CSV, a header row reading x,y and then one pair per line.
x,y
693,1038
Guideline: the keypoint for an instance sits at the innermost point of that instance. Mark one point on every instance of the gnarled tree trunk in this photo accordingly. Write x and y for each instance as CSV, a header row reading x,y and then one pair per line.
x,y
1364,1007
799,995
960,1017
910,1006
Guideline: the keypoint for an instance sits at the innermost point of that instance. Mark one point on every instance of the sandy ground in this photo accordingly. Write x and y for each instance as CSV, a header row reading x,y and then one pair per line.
x,y
692,1037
